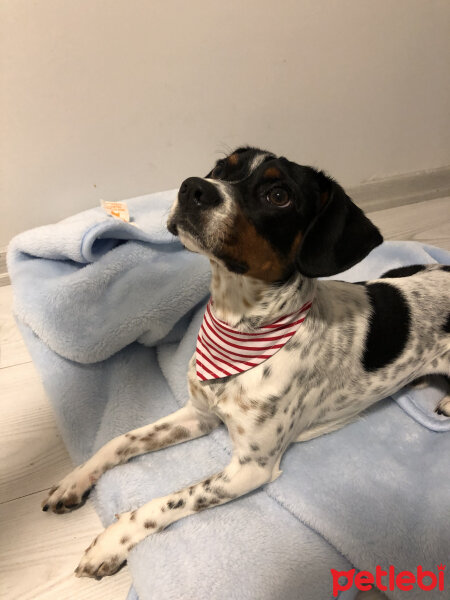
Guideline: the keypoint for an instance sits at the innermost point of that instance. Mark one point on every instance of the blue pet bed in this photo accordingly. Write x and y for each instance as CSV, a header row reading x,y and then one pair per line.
x,y
110,313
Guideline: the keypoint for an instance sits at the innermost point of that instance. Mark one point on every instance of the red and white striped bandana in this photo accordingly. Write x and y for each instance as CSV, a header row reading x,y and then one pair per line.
x,y
222,351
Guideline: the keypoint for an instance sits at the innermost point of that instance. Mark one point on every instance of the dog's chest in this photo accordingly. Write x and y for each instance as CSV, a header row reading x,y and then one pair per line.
x,y
255,400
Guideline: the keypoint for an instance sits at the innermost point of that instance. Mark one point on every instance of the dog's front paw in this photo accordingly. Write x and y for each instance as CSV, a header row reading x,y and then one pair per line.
x,y
70,493
443,408
108,552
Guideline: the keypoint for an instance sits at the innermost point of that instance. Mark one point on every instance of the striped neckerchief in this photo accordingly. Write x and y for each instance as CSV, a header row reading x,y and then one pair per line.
x,y
223,351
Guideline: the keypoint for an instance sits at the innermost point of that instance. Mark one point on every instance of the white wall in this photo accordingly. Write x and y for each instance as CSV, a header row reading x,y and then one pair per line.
x,y
115,98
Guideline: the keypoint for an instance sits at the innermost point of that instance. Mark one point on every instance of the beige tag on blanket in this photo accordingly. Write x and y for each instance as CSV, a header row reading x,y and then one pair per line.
x,y
118,210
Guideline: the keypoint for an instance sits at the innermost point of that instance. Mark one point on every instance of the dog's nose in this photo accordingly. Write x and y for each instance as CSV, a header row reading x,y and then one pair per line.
x,y
195,191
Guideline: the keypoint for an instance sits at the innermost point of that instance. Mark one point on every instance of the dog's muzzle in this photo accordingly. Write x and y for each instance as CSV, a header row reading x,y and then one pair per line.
x,y
198,192
195,196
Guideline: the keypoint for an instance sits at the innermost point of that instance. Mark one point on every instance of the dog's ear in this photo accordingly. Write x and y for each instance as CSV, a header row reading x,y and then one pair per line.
x,y
338,237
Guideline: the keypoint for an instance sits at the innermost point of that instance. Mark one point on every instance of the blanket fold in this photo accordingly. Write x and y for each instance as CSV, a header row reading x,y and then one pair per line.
x,y
110,312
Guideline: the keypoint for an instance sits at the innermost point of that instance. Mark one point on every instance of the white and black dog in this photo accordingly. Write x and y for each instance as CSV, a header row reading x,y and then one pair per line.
x,y
281,357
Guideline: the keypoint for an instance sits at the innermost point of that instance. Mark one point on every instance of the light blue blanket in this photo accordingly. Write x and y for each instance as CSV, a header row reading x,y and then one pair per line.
x,y
110,313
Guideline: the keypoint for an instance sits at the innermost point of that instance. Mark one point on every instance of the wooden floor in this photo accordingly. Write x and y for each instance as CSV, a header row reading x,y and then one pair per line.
x,y
38,551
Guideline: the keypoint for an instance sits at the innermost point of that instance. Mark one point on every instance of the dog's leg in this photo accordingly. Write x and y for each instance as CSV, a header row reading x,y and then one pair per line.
x,y
185,424
443,408
109,550
420,383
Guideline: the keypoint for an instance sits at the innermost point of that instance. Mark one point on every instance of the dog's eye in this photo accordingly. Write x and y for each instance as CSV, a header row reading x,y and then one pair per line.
x,y
217,169
278,197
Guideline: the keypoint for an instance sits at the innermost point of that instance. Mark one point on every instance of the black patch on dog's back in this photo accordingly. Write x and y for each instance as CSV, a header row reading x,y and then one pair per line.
x,y
388,326
446,268
404,271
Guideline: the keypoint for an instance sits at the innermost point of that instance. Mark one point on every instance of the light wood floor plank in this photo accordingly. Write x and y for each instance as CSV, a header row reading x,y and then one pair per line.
x,y
426,222
39,551
33,455
12,347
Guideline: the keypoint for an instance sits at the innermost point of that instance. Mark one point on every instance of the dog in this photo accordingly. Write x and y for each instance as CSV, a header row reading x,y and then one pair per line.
x,y
282,356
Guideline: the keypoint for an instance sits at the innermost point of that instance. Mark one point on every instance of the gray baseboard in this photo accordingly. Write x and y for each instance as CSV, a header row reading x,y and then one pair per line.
x,y
4,277
402,189
371,197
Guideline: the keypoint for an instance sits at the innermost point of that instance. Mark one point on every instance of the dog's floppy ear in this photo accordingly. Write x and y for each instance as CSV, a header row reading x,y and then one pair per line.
x,y
338,237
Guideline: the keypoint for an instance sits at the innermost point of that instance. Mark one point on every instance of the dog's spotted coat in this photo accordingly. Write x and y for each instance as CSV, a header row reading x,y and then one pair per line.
x,y
270,228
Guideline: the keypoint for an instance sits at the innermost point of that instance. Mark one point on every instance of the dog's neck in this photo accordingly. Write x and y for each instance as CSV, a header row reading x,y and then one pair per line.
x,y
246,303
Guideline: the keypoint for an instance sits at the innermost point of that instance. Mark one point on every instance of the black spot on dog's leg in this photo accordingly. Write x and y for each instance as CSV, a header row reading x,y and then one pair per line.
x,y
150,524
200,503
172,504
162,427
389,326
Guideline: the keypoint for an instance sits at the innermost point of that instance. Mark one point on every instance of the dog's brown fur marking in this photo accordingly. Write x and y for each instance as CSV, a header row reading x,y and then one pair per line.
x,y
162,426
245,245
179,433
272,173
242,403
71,500
150,524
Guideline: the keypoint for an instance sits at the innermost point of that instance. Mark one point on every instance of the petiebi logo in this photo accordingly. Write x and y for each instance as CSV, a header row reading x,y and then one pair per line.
x,y
404,580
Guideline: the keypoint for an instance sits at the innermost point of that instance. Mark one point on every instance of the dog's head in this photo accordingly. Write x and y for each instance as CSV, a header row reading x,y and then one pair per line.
x,y
264,216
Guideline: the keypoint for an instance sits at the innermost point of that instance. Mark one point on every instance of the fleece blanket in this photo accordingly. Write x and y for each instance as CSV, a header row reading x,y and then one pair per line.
x,y
110,312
